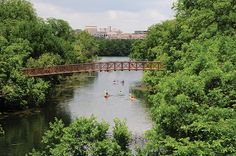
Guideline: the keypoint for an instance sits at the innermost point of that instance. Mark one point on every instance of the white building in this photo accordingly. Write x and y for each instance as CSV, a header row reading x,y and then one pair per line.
x,y
112,33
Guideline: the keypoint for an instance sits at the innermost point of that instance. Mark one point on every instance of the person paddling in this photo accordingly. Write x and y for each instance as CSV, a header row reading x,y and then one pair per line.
x,y
106,94
121,93
131,97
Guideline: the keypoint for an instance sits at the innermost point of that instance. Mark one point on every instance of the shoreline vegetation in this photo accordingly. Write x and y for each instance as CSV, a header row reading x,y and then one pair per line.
x,y
192,102
70,80
28,41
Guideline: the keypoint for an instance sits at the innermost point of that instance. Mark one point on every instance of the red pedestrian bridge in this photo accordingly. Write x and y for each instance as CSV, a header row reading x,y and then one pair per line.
x,y
95,67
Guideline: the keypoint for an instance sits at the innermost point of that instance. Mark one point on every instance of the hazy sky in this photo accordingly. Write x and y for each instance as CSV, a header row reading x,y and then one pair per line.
x,y
127,15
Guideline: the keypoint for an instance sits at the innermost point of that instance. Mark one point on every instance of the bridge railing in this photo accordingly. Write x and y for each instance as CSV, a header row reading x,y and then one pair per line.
x,y
94,67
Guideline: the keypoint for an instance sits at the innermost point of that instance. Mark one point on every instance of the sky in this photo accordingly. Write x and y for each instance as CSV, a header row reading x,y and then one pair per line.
x,y
126,15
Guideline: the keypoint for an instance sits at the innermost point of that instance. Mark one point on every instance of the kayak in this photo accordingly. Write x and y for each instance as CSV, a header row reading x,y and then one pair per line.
x,y
106,96
132,98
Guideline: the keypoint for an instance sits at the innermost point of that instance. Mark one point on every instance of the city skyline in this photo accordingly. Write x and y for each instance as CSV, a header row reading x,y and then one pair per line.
x,y
113,33
127,16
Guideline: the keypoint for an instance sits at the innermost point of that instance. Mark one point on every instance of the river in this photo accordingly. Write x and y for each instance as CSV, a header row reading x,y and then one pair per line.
x,y
73,99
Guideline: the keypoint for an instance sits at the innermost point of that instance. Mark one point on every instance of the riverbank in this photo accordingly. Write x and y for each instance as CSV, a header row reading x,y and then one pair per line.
x,y
77,96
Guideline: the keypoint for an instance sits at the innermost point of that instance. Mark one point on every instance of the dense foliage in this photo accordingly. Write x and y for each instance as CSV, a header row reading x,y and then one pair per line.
x,y
85,136
28,41
114,47
1,131
194,100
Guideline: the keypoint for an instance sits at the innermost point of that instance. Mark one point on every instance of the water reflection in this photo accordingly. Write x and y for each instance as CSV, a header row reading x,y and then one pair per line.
x,y
24,132
73,99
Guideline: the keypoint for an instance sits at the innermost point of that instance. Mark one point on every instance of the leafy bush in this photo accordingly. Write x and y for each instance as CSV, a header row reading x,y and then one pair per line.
x,y
28,41
114,47
85,136
121,134
193,101
1,131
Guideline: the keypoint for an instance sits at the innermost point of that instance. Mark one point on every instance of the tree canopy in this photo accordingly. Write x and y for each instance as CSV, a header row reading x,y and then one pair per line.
x,y
114,47
85,136
28,41
193,101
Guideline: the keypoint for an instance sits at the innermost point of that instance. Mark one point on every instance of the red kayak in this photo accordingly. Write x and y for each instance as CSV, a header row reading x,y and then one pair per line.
x,y
106,96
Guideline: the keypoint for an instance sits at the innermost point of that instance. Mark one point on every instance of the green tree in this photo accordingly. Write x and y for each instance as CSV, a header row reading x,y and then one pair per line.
x,y
116,47
53,136
28,41
45,60
17,10
61,28
85,47
106,147
1,131
121,134
193,101
85,136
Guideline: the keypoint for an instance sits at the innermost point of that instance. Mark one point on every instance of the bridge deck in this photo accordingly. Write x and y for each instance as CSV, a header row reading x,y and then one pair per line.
x,y
94,67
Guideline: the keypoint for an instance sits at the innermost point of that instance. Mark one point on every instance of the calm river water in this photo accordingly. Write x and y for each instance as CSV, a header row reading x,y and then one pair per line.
x,y
74,99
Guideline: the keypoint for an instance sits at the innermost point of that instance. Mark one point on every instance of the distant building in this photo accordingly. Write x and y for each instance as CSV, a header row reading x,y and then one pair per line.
x,y
112,33
109,29
140,32
100,34
103,29
125,36
138,36
91,29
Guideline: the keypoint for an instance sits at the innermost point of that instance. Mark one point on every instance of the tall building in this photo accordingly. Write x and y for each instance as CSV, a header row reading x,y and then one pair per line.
x,y
109,29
